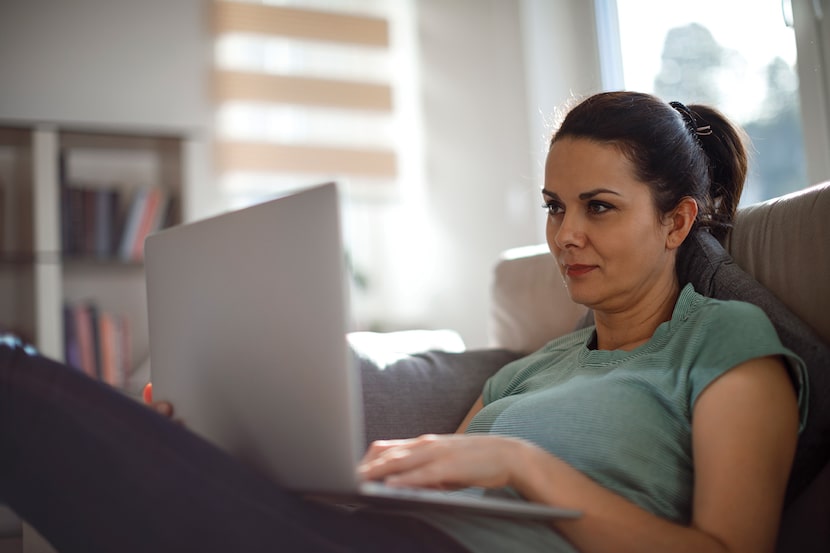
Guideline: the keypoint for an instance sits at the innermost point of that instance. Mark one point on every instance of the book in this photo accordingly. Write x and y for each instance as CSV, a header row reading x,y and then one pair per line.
x,y
106,213
151,216
125,347
74,225
94,327
109,344
97,342
89,200
132,223
84,338
94,224
71,348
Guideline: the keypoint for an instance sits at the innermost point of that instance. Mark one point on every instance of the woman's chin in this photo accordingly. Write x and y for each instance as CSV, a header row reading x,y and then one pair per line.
x,y
582,296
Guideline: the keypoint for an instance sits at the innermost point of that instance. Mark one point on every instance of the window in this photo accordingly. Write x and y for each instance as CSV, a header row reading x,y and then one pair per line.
x,y
310,91
305,93
738,56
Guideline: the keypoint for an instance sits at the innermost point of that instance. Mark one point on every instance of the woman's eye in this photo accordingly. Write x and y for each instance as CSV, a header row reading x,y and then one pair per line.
x,y
599,207
553,208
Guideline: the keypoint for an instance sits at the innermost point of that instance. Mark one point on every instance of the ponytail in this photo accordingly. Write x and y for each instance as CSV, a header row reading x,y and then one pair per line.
x,y
725,147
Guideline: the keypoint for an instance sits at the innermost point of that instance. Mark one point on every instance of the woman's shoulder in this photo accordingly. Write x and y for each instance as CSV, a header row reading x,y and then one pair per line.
x,y
715,333
724,316
720,334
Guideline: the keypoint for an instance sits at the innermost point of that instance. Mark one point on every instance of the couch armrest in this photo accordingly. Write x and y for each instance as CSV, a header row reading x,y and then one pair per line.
x,y
530,304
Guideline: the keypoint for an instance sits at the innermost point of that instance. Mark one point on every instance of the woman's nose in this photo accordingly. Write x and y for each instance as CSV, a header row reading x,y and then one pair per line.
x,y
568,232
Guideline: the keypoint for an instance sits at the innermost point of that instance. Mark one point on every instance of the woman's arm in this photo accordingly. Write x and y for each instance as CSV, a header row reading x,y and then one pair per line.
x,y
744,433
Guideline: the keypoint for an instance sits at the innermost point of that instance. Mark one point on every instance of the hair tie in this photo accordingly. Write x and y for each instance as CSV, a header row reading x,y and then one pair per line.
x,y
690,120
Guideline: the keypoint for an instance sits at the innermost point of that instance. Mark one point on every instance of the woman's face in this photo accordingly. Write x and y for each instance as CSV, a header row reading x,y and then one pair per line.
x,y
603,227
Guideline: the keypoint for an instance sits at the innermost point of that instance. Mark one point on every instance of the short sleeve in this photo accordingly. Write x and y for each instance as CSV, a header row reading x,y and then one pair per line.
x,y
736,333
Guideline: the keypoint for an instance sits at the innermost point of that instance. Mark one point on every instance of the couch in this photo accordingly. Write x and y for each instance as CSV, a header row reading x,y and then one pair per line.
x,y
777,256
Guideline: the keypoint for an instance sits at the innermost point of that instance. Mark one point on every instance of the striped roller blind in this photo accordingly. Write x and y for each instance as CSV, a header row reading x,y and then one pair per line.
x,y
303,93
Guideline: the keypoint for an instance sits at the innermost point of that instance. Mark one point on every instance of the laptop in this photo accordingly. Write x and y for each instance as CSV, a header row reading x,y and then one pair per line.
x,y
248,316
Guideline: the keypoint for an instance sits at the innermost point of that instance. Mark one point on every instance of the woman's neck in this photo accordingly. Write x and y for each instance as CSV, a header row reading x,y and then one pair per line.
x,y
634,327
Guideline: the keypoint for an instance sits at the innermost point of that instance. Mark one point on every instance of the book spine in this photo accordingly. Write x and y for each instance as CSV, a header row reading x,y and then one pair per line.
x,y
71,348
99,343
75,220
89,217
103,221
94,315
148,219
83,332
126,345
109,345
131,224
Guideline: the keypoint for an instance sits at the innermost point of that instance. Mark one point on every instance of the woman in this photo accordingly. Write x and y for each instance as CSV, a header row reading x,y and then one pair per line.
x,y
671,423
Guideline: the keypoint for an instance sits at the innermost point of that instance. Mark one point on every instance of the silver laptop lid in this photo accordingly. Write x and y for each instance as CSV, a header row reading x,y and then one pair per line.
x,y
247,319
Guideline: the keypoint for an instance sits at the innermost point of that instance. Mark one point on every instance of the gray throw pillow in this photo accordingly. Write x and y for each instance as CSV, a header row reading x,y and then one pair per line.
x,y
708,266
424,393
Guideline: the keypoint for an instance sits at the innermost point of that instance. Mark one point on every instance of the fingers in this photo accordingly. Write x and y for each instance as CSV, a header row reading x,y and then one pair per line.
x,y
147,393
379,447
163,408
445,462
427,461
381,452
441,475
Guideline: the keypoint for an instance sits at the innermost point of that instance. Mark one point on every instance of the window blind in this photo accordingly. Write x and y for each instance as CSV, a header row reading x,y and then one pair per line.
x,y
303,93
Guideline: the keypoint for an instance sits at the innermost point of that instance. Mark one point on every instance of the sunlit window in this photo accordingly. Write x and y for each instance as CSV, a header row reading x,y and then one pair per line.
x,y
311,91
736,55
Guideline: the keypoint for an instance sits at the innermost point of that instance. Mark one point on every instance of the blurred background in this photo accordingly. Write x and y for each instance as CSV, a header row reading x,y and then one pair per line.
x,y
433,114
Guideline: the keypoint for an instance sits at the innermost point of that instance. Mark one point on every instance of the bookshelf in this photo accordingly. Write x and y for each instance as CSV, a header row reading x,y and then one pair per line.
x,y
17,275
75,204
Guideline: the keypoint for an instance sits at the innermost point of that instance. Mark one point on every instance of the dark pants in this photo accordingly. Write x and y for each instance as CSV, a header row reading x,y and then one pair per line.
x,y
95,471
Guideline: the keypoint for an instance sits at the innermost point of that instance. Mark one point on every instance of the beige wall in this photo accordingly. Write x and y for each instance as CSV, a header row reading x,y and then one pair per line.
x,y
109,62
491,71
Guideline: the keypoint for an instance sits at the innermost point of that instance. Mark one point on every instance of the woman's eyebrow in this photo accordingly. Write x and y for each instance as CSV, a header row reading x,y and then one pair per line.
x,y
591,193
583,196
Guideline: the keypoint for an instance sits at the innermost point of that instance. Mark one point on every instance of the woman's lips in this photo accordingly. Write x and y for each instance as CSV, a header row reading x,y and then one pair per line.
x,y
578,270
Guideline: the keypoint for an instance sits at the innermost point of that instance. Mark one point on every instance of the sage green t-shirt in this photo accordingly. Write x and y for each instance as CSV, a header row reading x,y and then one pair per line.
x,y
624,418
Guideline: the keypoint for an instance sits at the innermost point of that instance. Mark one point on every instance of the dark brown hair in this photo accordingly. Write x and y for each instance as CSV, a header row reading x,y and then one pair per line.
x,y
684,151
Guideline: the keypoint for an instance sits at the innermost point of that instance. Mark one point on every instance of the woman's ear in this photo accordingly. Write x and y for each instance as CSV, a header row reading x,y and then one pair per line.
x,y
680,221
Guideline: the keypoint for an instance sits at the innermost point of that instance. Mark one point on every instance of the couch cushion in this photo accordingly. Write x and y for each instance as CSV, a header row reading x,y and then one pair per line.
x,y
530,305
425,393
711,270
783,243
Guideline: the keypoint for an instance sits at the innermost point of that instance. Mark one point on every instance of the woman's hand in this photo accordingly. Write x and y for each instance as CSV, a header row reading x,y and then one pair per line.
x,y
162,407
445,461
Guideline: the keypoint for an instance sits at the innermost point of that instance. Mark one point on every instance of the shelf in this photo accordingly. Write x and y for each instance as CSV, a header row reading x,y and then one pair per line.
x,y
10,259
92,263
46,280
